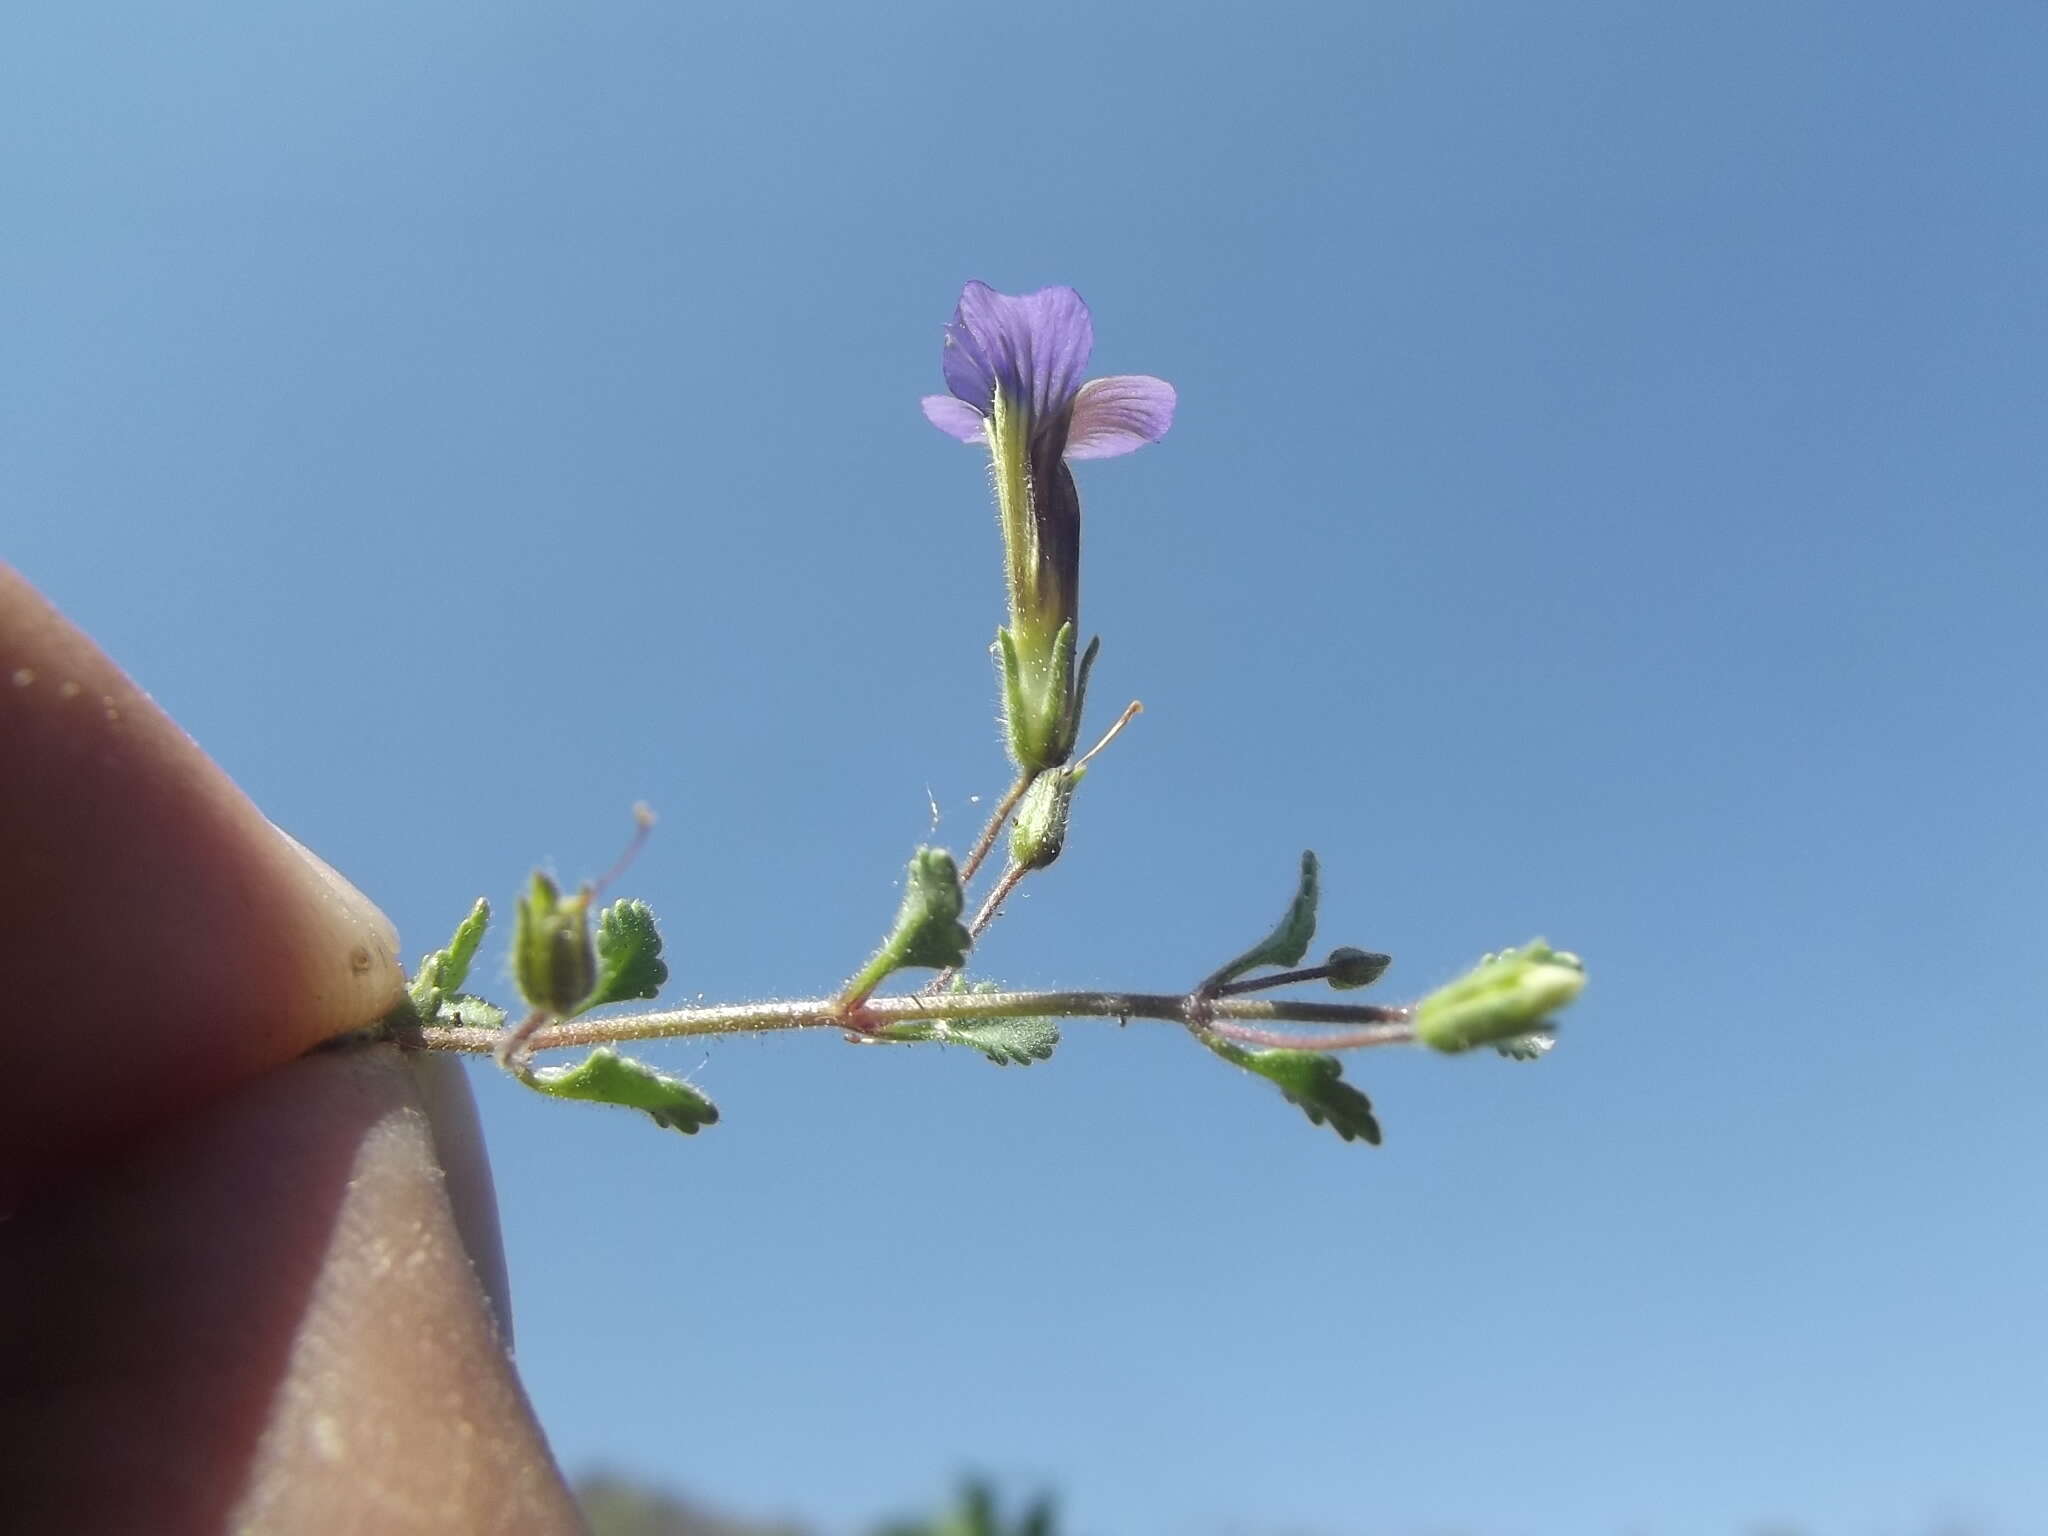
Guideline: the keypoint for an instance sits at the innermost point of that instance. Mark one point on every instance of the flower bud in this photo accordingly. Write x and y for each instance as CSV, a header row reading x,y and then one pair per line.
x,y
1040,830
1356,967
552,956
1505,996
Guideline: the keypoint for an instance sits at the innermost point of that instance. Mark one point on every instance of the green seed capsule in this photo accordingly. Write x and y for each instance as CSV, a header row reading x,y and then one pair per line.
x,y
552,956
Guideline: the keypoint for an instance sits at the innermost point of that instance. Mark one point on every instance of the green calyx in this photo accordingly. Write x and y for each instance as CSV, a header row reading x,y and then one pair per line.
x,y
561,970
553,959
1043,693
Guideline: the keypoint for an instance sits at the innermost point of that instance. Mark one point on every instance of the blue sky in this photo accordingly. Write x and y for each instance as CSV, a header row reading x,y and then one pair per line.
x,y
1606,503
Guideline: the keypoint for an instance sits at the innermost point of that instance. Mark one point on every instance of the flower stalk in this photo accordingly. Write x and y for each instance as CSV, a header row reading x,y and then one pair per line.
x,y
1238,1018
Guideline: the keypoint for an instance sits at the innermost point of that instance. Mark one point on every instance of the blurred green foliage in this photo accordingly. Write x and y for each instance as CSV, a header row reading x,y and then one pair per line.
x,y
620,1506
615,1505
975,1514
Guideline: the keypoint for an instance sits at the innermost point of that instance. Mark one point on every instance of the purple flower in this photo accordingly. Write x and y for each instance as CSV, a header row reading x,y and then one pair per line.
x,y
1014,366
1032,349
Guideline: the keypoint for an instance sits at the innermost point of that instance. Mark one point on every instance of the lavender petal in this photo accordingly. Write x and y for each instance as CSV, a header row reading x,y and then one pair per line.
x,y
969,371
955,418
1120,414
1034,347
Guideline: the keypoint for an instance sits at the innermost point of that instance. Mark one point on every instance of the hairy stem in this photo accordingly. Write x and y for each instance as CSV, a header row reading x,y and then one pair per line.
x,y
993,904
1234,1018
998,894
979,853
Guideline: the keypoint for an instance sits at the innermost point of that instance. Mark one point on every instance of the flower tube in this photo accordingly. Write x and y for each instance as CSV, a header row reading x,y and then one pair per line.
x,y
1014,366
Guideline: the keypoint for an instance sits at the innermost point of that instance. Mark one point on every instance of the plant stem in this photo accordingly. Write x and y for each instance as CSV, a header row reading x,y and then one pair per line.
x,y
993,904
1235,1018
1342,1040
998,894
979,853
1277,979
512,1048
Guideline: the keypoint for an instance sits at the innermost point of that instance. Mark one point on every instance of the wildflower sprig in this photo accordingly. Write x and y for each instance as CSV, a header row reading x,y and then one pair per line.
x,y
1013,368
1286,1040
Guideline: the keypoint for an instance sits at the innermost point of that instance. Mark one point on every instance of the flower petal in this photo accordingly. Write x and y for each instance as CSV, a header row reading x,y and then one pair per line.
x,y
955,418
970,373
1117,415
1034,347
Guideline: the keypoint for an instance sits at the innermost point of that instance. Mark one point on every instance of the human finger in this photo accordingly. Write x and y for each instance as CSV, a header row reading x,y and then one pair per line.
x,y
160,939
265,1318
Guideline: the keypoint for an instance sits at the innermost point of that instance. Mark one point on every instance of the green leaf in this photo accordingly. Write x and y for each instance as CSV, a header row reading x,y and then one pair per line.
x,y
1041,1519
469,1012
1312,1080
928,932
1287,943
452,968
606,1077
1006,1042
629,963
445,970
1504,997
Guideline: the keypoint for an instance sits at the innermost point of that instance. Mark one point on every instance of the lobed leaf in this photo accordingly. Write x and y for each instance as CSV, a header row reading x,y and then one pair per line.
x,y
1006,1042
629,963
1312,1080
445,970
928,932
606,1077
469,1012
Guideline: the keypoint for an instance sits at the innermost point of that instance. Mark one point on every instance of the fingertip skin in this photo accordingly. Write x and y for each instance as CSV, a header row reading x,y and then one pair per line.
x,y
242,1287
266,1318
161,941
